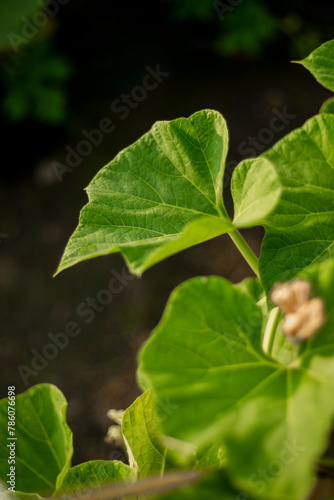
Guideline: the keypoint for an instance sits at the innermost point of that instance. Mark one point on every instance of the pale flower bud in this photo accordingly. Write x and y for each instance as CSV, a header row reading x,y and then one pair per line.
x,y
303,317
291,295
312,318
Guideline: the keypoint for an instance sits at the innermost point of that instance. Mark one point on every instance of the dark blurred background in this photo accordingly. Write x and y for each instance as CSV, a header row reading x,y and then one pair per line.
x,y
63,64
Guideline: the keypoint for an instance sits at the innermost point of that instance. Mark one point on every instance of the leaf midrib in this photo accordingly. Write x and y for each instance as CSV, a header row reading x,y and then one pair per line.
x,y
183,175
168,205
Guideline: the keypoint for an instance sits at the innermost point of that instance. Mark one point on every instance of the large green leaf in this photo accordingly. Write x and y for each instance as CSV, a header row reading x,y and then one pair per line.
x,y
206,357
43,444
94,475
163,194
321,64
300,230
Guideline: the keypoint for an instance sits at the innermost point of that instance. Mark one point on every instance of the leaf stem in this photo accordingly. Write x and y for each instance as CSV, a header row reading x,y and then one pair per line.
x,y
245,250
269,334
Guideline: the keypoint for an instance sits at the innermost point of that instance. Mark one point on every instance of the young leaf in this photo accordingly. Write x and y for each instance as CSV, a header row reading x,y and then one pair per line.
x,y
206,357
300,230
93,475
163,194
43,444
142,437
145,444
256,191
321,64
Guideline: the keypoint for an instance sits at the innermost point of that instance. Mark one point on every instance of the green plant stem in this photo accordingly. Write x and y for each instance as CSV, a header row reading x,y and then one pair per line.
x,y
269,334
245,250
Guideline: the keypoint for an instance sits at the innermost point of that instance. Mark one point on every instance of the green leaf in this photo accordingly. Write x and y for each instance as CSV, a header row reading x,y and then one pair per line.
x,y
321,64
253,288
202,330
44,441
145,444
163,194
206,357
256,190
93,475
212,456
148,201
142,437
328,106
300,230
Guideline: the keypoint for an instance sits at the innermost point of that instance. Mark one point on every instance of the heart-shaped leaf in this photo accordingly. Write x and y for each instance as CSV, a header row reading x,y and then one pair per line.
x,y
206,357
163,194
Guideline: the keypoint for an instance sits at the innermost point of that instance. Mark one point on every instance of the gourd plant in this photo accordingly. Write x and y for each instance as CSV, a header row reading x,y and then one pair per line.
x,y
231,393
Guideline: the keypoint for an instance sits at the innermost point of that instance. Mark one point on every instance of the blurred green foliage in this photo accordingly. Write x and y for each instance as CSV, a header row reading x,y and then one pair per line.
x,y
201,9
33,74
34,85
11,18
247,27
304,37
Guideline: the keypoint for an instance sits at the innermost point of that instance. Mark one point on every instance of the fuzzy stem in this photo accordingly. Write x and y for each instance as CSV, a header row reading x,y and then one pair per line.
x,y
245,250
